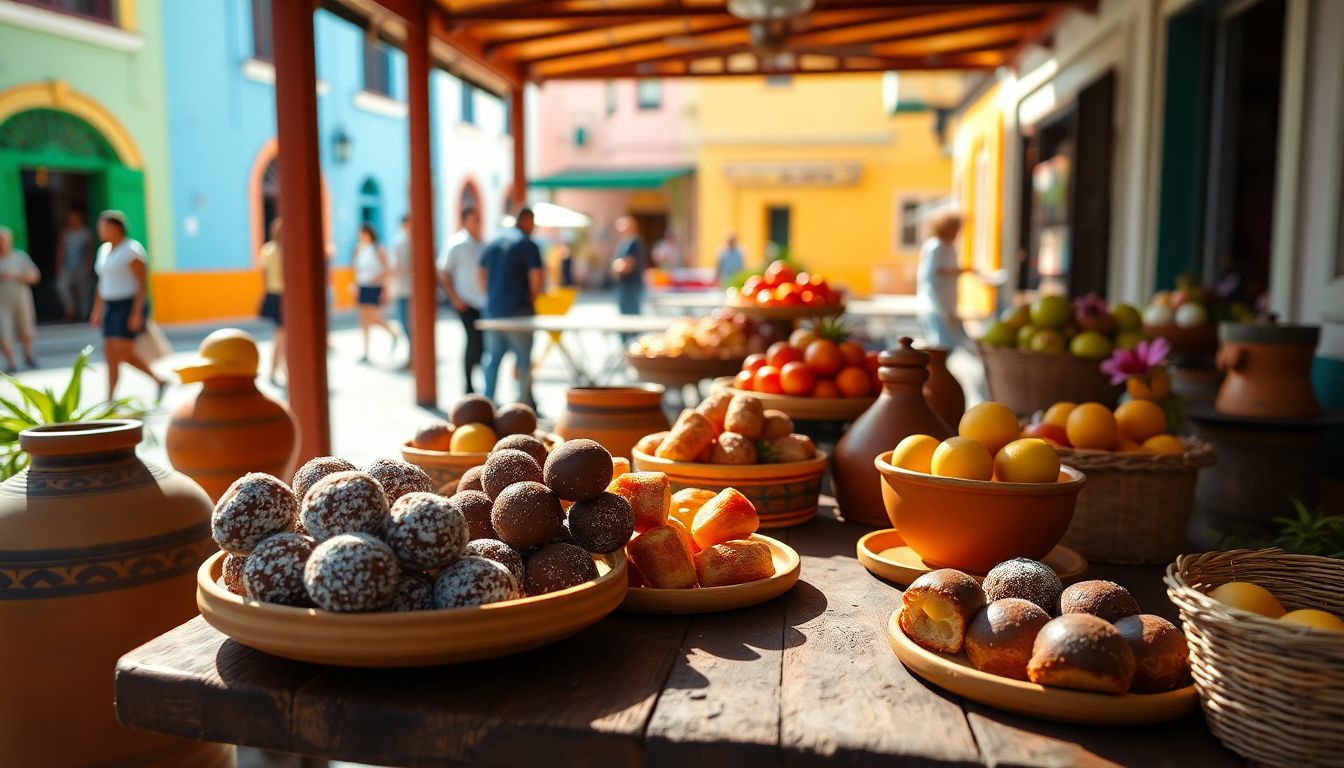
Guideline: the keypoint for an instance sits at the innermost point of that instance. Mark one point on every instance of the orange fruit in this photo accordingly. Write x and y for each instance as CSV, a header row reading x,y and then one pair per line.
x,y
1058,414
853,353
853,381
1317,619
1164,444
915,453
1128,446
990,424
1248,597
1138,420
1029,460
1091,425
473,438
962,457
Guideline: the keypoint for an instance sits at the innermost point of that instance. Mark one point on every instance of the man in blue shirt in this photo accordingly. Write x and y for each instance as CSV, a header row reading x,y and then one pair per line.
x,y
511,275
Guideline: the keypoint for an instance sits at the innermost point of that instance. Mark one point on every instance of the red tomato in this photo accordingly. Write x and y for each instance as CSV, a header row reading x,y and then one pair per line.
x,y
853,381
801,337
802,278
744,380
796,378
786,294
782,353
1052,432
808,297
752,285
778,273
824,357
765,297
767,380
825,388
853,354
870,362
753,362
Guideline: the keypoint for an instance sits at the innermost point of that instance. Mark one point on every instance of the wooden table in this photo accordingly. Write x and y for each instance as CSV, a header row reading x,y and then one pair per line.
x,y
559,326
802,679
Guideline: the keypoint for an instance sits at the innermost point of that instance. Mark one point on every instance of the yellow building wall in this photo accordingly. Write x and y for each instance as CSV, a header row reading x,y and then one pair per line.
x,y
191,297
977,184
849,233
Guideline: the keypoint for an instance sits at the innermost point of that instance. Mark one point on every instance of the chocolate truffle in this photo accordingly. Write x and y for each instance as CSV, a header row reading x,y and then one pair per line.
x,y
558,566
274,570
475,508
526,515
506,467
233,573
1101,598
425,531
399,478
344,502
578,469
352,572
415,592
470,480
525,443
316,469
254,507
1025,579
494,549
603,523
515,419
474,581
472,409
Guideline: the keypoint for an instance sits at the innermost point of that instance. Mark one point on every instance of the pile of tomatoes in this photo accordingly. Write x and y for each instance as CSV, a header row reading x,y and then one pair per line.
x,y
780,286
810,366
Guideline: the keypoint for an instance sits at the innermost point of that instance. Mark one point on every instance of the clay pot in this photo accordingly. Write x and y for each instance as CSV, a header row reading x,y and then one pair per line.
x,y
228,429
900,411
98,555
942,391
616,417
1268,370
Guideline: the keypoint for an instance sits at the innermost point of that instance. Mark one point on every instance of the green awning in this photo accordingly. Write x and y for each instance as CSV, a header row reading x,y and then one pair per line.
x,y
614,178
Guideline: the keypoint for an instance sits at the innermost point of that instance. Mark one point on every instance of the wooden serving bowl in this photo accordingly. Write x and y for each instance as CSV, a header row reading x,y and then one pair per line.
x,y
783,494
973,525
805,408
445,468
413,638
681,371
786,314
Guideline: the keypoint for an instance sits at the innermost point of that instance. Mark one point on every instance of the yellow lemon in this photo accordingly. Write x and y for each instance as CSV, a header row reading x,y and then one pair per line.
x,y
1058,414
1311,617
1139,420
473,438
990,424
1029,460
1091,425
915,453
1168,444
962,457
1248,597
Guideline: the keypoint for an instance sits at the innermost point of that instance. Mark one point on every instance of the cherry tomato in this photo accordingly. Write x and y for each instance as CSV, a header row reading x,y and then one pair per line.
x,y
744,380
767,380
825,388
796,378
853,354
853,381
782,353
823,355
753,363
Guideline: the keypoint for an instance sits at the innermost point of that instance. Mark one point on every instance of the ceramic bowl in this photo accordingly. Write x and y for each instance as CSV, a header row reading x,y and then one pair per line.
x,y
974,525
681,371
784,494
712,599
445,468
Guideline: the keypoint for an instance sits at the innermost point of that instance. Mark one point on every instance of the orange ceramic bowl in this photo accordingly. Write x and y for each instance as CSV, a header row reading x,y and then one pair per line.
x,y
974,525
445,468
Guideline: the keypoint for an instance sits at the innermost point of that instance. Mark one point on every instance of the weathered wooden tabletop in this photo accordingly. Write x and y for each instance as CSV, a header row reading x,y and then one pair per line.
x,y
802,679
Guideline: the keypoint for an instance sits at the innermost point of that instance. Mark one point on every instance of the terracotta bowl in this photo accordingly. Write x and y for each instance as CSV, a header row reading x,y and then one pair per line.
x,y
414,638
974,525
445,468
681,371
784,494
757,312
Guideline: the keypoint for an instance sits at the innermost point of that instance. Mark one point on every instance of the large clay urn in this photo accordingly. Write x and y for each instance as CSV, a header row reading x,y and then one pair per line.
x,y
1268,370
98,555
616,417
900,411
230,427
942,391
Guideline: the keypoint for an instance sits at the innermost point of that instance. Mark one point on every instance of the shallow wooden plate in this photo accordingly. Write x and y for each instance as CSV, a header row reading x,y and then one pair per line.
x,y
885,554
805,408
414,638
757,312
712,599
956,675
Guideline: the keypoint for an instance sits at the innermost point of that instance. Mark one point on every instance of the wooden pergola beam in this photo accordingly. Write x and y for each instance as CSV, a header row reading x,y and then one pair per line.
x,y
988,59
558,9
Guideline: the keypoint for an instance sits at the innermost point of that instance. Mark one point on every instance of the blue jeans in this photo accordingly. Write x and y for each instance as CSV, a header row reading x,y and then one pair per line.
x,y
629,297
404,316
497,343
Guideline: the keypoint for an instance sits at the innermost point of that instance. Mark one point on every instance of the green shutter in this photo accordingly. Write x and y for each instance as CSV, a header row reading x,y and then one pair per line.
x,y
124,190
11,199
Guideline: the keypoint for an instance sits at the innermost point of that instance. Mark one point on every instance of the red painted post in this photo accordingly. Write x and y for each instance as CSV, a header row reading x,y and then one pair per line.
x,y
517,128
423,306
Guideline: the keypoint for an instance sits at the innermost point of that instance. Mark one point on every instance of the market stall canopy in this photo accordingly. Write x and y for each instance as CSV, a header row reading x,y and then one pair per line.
x,y
552,216
611,178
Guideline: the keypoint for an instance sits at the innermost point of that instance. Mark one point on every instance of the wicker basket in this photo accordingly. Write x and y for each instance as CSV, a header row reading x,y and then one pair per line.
x,y
1273,692
1135,507
1032,381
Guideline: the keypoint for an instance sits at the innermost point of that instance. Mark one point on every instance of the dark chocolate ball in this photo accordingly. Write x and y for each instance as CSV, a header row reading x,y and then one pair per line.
x,y
525,443
352,572
507,467
558,566
515,419
254,507
603,523
474,581
316,469
578,469
470,480
233,573
415,592
274,571
494,549
399,478
472,409
475,506
425,531
344,502
526,515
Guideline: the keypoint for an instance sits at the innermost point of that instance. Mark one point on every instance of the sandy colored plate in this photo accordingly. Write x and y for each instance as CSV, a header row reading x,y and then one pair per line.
x,y
885,554
757,312
712,599
805,408
414,638
956,675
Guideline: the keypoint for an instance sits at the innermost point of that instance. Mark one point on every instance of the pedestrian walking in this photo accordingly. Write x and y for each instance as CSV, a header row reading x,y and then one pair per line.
x,y
18,275
666,252
510,274
627,266
936,283
121,304
729,262
371,272
459,269
271,264
399,283
74,265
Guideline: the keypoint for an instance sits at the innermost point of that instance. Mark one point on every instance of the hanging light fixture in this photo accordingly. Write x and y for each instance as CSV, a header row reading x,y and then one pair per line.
x,y
768,10
341,146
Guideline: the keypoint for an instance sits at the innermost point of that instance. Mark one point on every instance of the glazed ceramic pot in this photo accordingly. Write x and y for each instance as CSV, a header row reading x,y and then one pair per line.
x,y
228,429
1268,370
942,391
616,417
784,494
900,411
98,555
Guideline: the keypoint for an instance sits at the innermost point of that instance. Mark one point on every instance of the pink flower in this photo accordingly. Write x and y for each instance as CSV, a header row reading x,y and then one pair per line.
x,y
1139,361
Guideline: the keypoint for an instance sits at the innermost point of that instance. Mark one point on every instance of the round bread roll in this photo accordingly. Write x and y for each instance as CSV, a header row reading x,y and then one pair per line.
x,y
1103,599
1000,638
1161,657
1081,651
1027,579
938,606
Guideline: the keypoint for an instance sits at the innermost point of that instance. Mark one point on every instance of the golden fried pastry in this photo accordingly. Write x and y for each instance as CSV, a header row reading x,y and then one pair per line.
x,y
1101,598
727,516
1081,651
715,408
690,436
649,494
937,608
733,562
662,558
688,501
1000,638
1161,657
745,416
648,444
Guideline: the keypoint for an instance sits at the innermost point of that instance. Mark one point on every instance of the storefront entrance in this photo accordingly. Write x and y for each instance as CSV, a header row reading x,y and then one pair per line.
x,y
48,199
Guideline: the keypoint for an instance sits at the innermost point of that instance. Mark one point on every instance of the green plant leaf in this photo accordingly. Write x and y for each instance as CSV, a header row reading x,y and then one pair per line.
x,y
70,400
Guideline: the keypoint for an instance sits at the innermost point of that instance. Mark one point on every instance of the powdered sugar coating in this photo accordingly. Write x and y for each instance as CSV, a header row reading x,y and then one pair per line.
x,y
525,443
558,566
494,549
425,531
474,581
506,467
415,592
316,469
274,571
344,502
475,507
352,572
233,573
254,507
399,478
470,480
603,523
1026,579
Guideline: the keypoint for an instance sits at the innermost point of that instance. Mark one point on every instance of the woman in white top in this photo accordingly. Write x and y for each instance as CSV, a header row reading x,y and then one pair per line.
x,y
121,305
936,283
371,272
18,275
